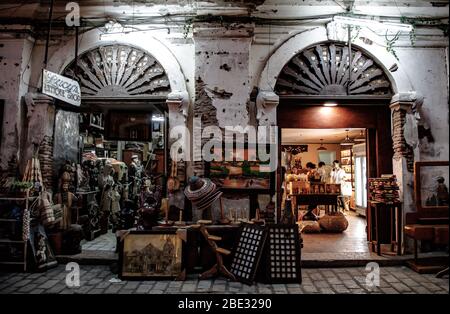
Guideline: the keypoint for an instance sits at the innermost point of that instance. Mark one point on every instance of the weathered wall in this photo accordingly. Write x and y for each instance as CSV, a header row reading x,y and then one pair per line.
x,y
14,79
221,64
427,70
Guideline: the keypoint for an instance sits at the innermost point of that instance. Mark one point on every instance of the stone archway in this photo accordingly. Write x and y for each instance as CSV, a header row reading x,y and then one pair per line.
x,y
323,69
178,100
403,101
118,65
119,71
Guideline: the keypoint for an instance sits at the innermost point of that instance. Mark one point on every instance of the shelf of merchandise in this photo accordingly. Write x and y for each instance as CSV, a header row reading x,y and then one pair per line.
x,y
24,202
347,163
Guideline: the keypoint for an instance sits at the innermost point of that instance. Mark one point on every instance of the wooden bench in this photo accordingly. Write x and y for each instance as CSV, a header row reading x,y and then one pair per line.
x,y
435,230
428,223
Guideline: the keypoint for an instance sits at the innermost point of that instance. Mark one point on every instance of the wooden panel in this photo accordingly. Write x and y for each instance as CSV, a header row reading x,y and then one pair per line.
x,y
385,150
375,118
319,117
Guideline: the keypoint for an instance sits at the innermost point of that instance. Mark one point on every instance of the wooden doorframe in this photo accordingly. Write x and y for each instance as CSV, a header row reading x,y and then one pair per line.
x,y
375,118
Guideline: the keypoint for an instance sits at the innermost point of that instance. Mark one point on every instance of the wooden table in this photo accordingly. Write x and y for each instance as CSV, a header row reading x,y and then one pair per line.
x,y
314,199
384,221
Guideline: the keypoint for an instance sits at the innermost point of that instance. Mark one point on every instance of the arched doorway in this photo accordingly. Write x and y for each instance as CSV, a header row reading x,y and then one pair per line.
x,y
326,94
121,140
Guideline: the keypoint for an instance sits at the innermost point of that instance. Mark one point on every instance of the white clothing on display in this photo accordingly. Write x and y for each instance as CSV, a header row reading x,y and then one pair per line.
x,y
338,175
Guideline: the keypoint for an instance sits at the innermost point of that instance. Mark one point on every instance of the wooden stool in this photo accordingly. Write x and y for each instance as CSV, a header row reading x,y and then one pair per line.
x,y
219,268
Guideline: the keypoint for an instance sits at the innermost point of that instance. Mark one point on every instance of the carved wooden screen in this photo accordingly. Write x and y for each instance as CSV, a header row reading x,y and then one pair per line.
x,y
323,70
119,71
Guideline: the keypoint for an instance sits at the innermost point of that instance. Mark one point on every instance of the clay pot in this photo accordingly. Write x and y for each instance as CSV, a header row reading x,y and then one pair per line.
x,y
334,222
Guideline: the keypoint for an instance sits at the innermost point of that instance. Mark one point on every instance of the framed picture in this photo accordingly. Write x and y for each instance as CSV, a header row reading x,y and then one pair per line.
x,y
431,188
128,126
246,174
155,255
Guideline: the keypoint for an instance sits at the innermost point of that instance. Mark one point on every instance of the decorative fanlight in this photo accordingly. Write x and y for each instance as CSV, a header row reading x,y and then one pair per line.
x,y
347,141
321,148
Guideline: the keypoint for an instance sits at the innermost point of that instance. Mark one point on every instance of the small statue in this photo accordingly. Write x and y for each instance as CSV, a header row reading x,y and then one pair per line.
x,y
150,203
442,192
66,199
134,176
83,179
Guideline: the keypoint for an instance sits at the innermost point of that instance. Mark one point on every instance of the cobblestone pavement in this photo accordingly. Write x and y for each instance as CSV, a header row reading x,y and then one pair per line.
x,y
96,280
105,242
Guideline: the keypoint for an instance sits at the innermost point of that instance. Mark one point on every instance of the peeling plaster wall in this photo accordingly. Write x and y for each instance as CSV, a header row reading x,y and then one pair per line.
x,y
229,62
223,65
14,80
427,70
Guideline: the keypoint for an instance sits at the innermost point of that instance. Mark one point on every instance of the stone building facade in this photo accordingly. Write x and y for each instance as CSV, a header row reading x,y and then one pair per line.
x,y
222,60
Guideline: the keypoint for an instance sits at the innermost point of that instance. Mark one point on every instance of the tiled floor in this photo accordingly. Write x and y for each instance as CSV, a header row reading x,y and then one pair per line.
x,y
105,242
352,240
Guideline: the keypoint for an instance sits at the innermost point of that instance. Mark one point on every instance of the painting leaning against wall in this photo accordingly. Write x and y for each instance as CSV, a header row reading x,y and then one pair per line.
x,y
431,187
150,255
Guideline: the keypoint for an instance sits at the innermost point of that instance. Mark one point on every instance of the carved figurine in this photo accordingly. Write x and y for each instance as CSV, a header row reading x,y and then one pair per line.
x,y
66,199
442,192
150,203
134,176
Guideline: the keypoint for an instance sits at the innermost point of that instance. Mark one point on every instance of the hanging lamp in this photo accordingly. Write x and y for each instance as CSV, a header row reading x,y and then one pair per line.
x,y
347,141
321,148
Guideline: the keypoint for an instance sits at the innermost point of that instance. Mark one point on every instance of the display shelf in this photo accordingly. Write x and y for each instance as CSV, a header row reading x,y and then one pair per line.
x,y
24,201
348,164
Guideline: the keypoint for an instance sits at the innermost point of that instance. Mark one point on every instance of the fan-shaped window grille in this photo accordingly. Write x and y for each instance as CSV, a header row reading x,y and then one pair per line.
x,y
119,71
323,70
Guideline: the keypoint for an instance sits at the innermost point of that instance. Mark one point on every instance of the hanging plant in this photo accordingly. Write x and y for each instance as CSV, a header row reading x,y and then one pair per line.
x,y
390,42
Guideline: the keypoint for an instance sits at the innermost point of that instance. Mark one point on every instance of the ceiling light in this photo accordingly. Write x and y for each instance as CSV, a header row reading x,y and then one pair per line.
x,y
321,148
373,24
361,137
330,104
347,141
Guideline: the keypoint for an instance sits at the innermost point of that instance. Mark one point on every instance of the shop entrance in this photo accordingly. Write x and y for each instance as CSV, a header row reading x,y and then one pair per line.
x,y
126,151
122,145
358,137
331,156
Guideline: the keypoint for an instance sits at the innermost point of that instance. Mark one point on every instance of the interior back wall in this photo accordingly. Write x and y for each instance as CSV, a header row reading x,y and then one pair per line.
x,y
312,155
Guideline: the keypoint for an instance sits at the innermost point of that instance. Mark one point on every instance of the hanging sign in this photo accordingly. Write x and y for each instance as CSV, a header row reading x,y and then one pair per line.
x,y
61,87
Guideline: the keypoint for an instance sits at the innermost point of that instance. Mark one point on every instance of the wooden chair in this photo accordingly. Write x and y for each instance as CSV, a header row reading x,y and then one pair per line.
x,y
219,268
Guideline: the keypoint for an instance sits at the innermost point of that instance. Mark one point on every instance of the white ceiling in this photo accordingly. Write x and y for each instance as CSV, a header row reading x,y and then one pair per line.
x,y
313,136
